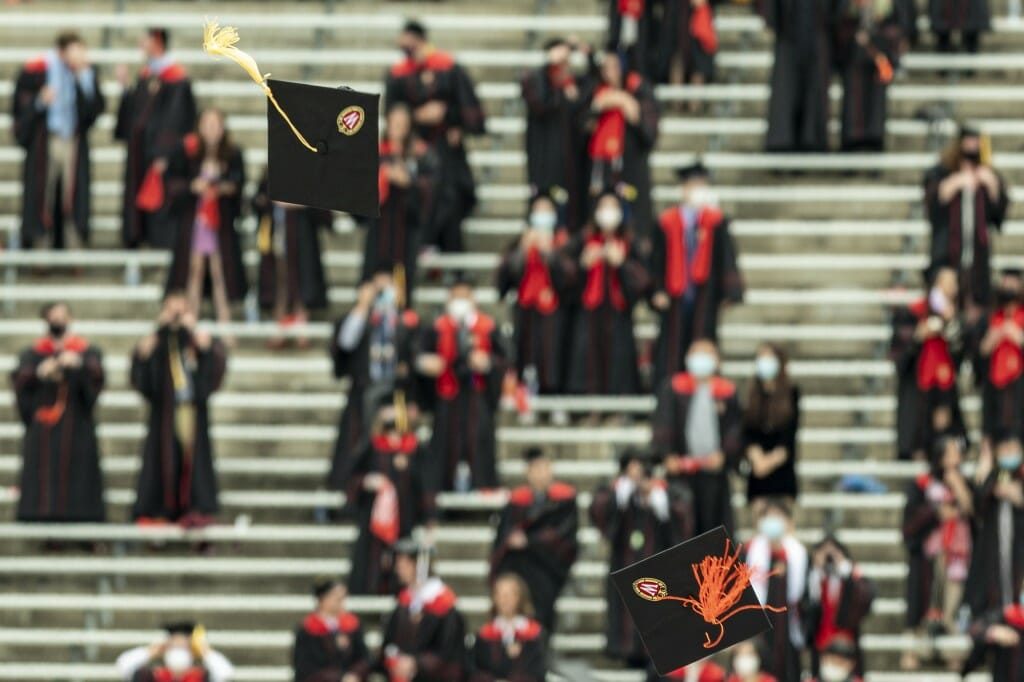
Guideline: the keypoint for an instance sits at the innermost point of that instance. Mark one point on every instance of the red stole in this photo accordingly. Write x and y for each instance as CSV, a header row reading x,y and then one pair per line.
x,y
1014,616
593,293
829,610
209,209
383,182
384,514
608,140
190,675
151,192
1007,361
702,28
671,224
448,348
934,365
631,8
535,290
49,415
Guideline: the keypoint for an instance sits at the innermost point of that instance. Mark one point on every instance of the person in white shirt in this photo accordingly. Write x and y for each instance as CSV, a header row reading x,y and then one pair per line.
x,y
182,656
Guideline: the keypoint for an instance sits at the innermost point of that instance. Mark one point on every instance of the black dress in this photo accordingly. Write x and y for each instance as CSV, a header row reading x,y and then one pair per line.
x,y
782,481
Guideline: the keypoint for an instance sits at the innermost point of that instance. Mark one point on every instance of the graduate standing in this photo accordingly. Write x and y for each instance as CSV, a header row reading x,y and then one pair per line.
x,y
698,434
464,355
693,265
177,369
998,638
56,383
839,661
329,644
512,645
536,535
639,516
390,489
1001,355
374,347
969,18
424,636
445,109
686,43
771,421
154,116
57,99
632,32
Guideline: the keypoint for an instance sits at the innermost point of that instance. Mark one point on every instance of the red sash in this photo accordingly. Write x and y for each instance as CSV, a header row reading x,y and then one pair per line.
x,y
702,28
151,192
448,348
1007,361
535,290
593,293
48,415
384,513
209,209
191,675
1014,616
608,140
631,8
671,224
934,365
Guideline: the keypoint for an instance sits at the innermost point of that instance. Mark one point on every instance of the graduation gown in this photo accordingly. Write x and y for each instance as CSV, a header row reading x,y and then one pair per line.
x,y
390,513
185,166
634,532
162,674
60,472
640,54
434,635
603,358
491,660
948,233
550,524
697,283
684,31
626,162
543,284
555,154
969,16
798,107
326,654
783,480
925,380
175,480
984,588
865,82
712,498
1006,663
154,115
363,390
835,604
785,566
708,672
1002,377
32,134
439,78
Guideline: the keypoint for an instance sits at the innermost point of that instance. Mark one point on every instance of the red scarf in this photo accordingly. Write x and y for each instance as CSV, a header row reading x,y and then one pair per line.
x,y
190,675
1014,616
609,137
535,290
384,514
560,77
631,8
49,415
1007,361
593,293
671,224
829,610
383,181
934,365
448,348
702,28
151,192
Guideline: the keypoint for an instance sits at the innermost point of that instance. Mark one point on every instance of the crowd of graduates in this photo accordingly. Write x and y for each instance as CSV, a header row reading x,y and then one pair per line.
x,y
592,249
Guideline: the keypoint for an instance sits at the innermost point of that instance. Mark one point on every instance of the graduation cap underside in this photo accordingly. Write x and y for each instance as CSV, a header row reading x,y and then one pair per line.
x,y
692,600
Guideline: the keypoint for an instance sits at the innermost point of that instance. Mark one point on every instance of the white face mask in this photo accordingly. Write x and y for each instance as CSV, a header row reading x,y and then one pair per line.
x,y
746,664
937,300
459,309
700,365
766,367
772,527
178,659
543,221
830,672
701,197
608,219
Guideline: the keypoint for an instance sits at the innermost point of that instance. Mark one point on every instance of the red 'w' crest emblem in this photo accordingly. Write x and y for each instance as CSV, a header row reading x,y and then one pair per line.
x,y
650,589
351,119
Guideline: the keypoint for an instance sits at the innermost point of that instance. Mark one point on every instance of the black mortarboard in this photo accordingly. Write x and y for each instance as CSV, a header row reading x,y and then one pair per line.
x,y
633,454
416,28
969,130
323,585
533,454
666,601
693,171
554,42
1012,272
185,627
342,124
410,547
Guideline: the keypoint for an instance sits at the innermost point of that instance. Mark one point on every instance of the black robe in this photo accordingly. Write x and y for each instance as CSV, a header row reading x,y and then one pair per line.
x,y
640,56
697,285
550,524
155,114
824,613
783,481
174,483
32,134
947,234
404,465
183,167
440,78
465,403
984,588
60,473
543,284
363,392
969,16
323,654
603,358
675,38
435,637
917,401
1007,663
779,656
491,661
712,498
1001,375
634,532
798,108
865,94
633,168
555,153
304,269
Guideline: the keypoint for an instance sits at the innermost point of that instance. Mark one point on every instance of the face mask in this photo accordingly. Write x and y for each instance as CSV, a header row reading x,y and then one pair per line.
x,y
772,527
1010,462
937,299
971,156
178,659
1005,297
700,197
608,219
830,672
386,298
766,367
408,51
746,664
459,308
1021,598
543,221
57,329
577,60
700,365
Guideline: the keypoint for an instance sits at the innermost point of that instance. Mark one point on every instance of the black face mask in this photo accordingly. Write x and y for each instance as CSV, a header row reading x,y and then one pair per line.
x,y
973,156
408,51
57,329
1005,297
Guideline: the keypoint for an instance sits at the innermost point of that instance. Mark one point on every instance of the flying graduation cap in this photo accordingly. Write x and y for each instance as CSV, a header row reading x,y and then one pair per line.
x,y
322,142
692,600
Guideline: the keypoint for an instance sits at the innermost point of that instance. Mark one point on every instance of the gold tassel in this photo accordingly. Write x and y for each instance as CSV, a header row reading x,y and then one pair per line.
x,y
986,149
401,413
263,234
220,42
399,277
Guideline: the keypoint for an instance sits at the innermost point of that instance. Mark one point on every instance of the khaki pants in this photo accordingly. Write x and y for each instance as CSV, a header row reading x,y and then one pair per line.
x,y
60,172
